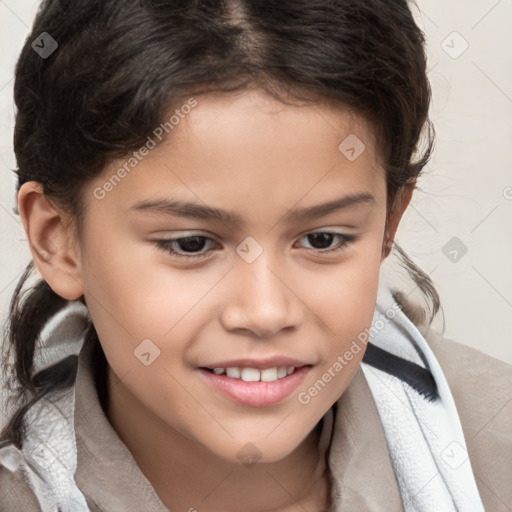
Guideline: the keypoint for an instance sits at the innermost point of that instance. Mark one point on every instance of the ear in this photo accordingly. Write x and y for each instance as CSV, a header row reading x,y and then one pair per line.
x,y
402,200
50,241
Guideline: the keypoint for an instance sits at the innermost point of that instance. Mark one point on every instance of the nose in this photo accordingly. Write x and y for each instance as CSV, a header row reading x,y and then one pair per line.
x,y
260,300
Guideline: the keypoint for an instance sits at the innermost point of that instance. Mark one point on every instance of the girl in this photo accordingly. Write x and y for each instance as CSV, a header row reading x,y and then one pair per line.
x,y
209,190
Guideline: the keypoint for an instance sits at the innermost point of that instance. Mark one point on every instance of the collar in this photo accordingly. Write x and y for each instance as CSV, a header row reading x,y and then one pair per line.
x,y
357,456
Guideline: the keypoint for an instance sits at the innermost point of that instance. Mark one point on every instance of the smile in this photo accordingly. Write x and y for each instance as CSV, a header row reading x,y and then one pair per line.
x,y
247,386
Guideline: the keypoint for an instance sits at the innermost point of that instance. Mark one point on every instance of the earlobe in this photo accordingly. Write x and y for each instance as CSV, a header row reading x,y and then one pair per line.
x,y
386,247
49,241
402,200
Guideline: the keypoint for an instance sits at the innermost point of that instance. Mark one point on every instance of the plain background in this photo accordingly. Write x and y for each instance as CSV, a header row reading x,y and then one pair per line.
x,y
457,227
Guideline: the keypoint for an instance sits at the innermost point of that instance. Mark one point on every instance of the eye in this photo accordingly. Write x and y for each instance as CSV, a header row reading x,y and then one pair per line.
x,y
188,244
198,246
321,241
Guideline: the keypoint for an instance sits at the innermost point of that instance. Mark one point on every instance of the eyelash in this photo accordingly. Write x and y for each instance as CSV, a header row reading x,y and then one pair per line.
x,y
167,245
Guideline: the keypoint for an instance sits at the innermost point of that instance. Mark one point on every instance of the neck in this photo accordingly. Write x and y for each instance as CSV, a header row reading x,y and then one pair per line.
x,y
188,476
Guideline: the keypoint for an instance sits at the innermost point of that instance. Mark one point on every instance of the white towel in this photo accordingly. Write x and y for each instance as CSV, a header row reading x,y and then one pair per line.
x,y
48,457
425,439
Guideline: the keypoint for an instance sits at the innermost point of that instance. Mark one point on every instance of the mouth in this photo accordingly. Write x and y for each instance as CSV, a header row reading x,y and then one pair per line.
x,y
249,374
252,387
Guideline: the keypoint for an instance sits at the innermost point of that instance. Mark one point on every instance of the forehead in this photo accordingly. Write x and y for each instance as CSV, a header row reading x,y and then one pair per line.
x,y
231,148
253,119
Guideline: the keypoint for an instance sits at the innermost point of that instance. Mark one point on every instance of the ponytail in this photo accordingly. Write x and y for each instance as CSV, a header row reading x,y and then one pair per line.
x,y
28,312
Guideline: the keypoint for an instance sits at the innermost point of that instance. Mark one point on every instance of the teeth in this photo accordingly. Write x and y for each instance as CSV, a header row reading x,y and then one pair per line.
x,y
269,374
255,375
251,375
282,372
233,372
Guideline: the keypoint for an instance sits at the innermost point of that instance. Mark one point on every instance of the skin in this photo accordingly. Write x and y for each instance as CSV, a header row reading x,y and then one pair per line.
x,y
259,158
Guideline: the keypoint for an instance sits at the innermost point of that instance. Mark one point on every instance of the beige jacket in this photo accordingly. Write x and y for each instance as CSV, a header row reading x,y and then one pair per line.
x,y
358,457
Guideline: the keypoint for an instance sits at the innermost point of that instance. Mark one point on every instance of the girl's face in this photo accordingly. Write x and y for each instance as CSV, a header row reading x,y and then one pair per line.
x,y
252,178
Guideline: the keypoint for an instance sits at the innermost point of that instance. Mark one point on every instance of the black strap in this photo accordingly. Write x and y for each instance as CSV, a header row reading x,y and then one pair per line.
x,y
416,376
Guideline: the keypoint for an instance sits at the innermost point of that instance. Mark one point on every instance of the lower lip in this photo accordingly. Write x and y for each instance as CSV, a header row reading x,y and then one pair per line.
x,y
256,394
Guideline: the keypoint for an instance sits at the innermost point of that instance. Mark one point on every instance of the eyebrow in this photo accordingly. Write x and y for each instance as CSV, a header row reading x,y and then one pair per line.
x,y
190,210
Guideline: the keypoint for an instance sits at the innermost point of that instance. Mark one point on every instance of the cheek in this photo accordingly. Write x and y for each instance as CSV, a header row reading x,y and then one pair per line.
x,y
132,297
121,282
345,301
345,304
345,292
116,292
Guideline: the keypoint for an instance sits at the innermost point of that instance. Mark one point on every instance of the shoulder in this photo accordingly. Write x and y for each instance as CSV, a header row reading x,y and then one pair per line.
x,y
474,377
16,494
481,386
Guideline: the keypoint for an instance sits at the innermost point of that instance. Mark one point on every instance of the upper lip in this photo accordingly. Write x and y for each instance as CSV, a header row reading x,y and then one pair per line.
x,y
260,364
